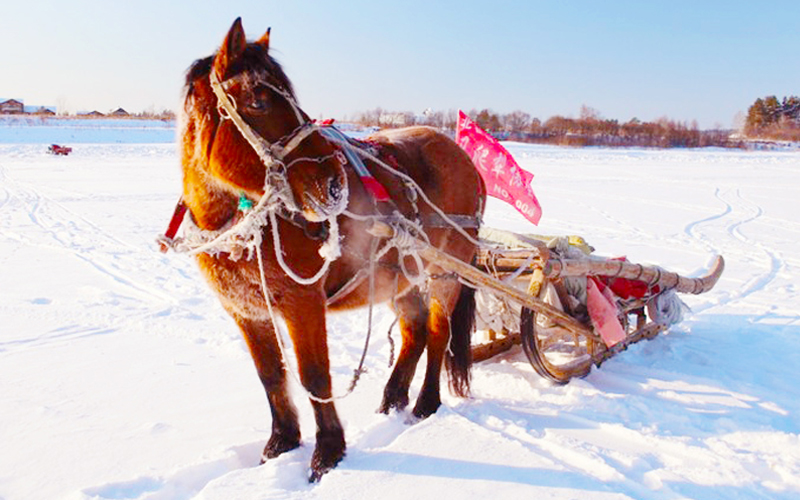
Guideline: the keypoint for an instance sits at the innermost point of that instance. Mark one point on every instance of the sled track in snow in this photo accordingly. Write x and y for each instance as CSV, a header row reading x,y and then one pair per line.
x,y
31,220
63,230
65,333
738,212
6,196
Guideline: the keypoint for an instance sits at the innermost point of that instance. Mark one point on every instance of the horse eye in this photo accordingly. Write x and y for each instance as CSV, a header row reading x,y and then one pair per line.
x,y
259,100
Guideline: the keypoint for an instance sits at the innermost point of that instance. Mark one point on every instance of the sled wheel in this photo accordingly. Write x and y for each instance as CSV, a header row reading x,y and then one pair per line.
x,y
554,352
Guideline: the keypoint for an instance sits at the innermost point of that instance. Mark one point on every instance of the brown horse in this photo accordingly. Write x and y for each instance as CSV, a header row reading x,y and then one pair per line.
x,y
314,185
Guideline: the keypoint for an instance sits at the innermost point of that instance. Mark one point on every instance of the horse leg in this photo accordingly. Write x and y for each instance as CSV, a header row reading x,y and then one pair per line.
x,y
263,345
412,316
444,294
306,324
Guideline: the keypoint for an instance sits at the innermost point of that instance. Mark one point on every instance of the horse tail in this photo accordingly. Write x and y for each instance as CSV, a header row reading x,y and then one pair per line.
x,y
458,360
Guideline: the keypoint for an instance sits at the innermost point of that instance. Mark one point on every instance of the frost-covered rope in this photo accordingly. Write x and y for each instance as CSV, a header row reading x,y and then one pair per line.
x,y
329,251
245,234
408,238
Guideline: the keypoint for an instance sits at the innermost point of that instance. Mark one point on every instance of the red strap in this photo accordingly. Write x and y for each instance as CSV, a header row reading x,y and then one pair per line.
x,y
165,242
177,219
375,188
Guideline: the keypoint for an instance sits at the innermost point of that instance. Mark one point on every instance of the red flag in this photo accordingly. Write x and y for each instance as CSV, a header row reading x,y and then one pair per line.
x,y
503,177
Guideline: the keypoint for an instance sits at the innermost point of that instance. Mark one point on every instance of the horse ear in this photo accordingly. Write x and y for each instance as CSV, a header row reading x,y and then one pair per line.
x,y
264,40
232,48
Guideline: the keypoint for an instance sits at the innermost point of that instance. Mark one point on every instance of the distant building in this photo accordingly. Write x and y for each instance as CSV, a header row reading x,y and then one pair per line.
x,y
93,114
119,112
395,119
11,107
44,111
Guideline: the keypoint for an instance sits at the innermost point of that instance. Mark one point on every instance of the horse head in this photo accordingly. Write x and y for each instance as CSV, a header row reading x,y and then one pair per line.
x,y
242,87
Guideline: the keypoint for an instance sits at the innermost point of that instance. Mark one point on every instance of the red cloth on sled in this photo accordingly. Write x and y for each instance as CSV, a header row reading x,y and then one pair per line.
x,y
628,288
603,313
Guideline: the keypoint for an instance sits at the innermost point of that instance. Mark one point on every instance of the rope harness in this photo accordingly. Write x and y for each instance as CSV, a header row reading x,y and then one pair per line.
x,y
245,235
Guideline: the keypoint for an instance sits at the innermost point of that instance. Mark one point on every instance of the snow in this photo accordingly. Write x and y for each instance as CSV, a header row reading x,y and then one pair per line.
x,y
39,130
122,378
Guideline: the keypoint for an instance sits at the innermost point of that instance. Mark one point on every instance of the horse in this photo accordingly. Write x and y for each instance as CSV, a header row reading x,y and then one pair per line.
x,y
312,240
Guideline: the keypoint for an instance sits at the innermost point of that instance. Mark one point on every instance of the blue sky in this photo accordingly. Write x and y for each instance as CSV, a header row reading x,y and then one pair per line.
x,y
703,60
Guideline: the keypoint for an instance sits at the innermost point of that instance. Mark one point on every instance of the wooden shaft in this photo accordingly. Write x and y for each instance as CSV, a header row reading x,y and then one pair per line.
x,y
480,278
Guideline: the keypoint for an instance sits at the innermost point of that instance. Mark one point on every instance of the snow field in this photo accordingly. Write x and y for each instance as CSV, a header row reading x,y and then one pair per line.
x,y
122,378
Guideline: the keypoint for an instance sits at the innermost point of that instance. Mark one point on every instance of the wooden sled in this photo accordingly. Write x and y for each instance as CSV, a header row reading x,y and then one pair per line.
x,y
556,333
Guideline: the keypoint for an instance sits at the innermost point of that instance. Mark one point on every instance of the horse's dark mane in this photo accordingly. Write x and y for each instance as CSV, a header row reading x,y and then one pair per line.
x,y
199,69
254,56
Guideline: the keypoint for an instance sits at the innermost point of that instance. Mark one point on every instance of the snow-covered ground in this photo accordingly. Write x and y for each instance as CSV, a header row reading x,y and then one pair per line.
x,y
122,378
28,129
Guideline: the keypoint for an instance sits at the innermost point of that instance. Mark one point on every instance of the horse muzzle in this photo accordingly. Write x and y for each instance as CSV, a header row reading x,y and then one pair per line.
x,y
333,203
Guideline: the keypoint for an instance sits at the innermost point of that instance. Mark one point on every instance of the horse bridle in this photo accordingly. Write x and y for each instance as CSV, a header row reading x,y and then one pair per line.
x,y
272,154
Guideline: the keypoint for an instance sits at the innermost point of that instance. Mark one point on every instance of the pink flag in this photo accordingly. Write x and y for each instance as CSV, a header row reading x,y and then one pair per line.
x,y
503,177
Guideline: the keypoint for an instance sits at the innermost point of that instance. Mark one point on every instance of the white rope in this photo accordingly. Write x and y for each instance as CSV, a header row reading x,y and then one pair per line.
x,y
266,151
224,103
407,242
331,256
270,154
245,234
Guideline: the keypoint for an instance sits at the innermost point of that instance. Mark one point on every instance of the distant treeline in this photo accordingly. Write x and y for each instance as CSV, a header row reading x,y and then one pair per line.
x,y
590,129
767,118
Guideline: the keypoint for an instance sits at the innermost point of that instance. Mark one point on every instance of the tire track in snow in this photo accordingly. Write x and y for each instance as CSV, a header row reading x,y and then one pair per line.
x,y
692,228
775,262
65,333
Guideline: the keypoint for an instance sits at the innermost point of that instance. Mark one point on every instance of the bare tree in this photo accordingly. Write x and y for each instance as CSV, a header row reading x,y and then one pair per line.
x,y
516,121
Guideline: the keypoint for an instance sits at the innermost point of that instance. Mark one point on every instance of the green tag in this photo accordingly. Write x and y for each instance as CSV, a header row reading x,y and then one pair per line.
x,y
245,203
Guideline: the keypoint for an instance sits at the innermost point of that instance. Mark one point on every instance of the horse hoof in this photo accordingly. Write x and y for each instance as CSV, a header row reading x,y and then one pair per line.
x,y
279,444
425,408
393,402
387,406
328,453
322,465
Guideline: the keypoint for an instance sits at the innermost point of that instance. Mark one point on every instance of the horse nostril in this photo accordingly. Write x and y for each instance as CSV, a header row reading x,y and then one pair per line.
x,y
335,188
